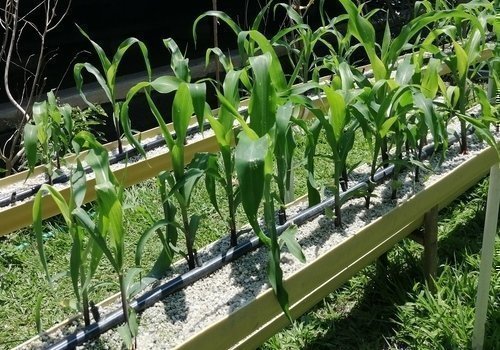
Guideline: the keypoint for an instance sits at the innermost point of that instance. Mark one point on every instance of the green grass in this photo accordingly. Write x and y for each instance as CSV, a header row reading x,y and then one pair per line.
x,y
388,305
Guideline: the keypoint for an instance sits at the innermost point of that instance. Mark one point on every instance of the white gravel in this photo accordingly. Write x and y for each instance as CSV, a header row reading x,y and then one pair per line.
x,y
182,314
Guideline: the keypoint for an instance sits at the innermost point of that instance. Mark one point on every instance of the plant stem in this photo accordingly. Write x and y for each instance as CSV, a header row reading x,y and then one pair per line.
x,y
85,307
232,214
189,241
124,300
338,213
397,168
116,120
85,297
462,106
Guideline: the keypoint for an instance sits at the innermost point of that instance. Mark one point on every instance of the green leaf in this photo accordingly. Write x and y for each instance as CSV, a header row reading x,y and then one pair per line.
x,y
386,126
60,202
430,78
146,235
178,63
219,130
249,163
125,118
37,227
405,72
462,60
86,222
77,73
219,15
166,84
111,208
194,223
30,145
363,30
337,110
161,122
288,238
133,322
198,95
187,183
100,52
78,184
98,160
111,71
75,262
182,110
262,104
126,336
275,70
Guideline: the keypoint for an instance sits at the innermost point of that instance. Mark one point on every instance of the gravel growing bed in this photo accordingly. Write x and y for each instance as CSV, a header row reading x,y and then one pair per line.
x,y
186,312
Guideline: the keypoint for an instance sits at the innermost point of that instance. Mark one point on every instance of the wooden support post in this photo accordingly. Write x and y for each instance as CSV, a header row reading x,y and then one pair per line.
x,y
430,241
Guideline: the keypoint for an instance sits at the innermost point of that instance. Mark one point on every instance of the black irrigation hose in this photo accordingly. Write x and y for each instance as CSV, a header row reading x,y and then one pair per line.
x,y
16,196
160,292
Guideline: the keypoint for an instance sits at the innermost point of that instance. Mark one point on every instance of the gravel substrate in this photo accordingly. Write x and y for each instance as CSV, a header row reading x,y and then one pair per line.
x,y
182,314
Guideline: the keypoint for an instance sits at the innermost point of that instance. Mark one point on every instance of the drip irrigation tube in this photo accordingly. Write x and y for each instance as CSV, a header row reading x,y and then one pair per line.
x,y
148,299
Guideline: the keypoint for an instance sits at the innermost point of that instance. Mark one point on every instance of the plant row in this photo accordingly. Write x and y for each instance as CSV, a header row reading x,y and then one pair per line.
x,y
401,106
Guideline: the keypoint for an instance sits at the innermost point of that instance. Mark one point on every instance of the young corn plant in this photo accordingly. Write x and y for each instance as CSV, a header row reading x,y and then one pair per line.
x,y
302,43
340,129
274,78
254,168
381,93
253,157
182,180
85,253
168,237
48,137
108,231
463,63
189,100
224,130
106,78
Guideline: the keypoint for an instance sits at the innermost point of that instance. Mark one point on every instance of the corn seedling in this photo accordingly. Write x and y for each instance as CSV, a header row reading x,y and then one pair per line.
x,y
85,252
224,130
340,130
108,231
48,137
107,80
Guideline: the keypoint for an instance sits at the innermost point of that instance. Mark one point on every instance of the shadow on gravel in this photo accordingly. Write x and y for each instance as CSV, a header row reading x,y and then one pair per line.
x,y
175,306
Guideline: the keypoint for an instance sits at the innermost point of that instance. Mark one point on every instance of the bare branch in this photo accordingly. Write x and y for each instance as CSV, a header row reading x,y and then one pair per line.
x,y
8,60
61,18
